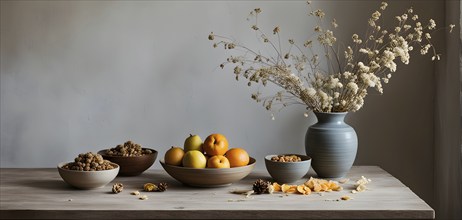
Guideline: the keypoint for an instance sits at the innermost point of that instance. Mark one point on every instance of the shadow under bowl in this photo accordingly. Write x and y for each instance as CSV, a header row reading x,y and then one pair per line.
x,y
208,177
288,172
88,179
131,166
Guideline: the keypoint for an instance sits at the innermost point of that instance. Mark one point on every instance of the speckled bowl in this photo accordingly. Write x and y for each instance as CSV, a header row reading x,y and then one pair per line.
x,y
87,179
288,172
131,166
208,177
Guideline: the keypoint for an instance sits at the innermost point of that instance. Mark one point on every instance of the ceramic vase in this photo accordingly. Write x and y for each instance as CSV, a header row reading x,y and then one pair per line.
x,y
332,144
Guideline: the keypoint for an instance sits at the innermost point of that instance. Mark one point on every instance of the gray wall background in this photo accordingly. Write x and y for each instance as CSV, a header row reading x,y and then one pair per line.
x,y
83,76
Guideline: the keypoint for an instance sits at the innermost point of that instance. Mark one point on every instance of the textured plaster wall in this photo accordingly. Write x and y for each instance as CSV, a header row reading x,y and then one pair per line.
x,y
80,76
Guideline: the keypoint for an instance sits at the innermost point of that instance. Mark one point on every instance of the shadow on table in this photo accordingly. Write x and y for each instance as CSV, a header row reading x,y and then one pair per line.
x,y
53,184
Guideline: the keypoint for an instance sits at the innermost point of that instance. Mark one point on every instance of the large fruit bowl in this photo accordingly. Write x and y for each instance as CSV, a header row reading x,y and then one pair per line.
x,y
208,177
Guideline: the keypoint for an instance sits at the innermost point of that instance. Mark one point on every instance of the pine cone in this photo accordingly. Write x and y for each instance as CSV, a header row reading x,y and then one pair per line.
x,y
117,188
162,187
261,186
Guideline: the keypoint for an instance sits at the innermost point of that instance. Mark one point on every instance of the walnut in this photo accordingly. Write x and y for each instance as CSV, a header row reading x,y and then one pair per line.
x,y
117,188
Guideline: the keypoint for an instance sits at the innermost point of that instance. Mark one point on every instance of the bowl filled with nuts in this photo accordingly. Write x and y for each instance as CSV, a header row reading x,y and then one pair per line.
x,y
88,171
287,168
131,157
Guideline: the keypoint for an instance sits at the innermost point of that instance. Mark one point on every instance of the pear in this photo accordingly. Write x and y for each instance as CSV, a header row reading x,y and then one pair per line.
x,y
193,142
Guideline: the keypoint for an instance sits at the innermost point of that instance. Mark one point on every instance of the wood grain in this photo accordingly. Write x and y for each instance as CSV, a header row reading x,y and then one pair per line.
x,y
41,193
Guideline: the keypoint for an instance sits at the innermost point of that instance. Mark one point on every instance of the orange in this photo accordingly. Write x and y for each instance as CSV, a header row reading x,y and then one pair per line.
x,y
174,156
237,157
215,144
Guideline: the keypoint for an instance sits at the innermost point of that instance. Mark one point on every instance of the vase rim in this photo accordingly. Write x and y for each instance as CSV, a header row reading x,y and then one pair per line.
x,y
332,113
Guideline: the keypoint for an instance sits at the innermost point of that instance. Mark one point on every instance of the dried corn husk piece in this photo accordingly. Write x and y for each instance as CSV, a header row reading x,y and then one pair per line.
x,y
288,188
321,185
361,185
277,187
150,187
302,189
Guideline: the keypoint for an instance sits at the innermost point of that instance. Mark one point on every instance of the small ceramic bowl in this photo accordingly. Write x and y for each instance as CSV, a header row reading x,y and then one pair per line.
x,y
208,177
87,179
131,166
288,172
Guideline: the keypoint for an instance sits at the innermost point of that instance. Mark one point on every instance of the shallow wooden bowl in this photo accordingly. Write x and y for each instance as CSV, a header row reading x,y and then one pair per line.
x,y
208,177
131,166
87,179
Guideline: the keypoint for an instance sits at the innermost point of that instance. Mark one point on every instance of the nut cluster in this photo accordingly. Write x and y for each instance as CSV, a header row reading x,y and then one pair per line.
x,y
286,158
128,149
117,188
89,162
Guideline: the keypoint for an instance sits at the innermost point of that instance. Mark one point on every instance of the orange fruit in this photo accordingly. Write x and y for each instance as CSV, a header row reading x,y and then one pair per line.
x,y
237,157
218,161
215,144
174,156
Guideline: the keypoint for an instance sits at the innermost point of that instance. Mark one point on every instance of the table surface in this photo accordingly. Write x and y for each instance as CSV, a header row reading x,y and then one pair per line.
x,y
41,193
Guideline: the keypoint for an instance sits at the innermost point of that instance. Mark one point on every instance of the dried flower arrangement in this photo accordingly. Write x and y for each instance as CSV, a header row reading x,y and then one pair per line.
x,y
342,84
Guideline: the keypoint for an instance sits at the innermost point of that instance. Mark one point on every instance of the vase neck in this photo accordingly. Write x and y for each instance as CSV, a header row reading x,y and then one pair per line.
x,y
331,117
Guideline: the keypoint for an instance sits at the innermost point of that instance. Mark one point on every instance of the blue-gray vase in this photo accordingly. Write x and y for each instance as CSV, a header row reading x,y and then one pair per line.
x,y
332,144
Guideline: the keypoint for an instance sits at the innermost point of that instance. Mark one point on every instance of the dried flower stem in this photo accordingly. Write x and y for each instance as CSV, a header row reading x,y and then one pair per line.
x,y
342,87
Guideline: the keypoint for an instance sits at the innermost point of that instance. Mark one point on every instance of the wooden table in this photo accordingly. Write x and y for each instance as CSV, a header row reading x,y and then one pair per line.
x,y
41,193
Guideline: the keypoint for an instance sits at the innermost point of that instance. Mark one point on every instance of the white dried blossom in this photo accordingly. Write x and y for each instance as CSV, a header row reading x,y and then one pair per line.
x,y
404,17
432,24
334,23
347,75
356,39
425,49
387,60
319,13
376,15
327,38
353,87
451,27
363,68
383,6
